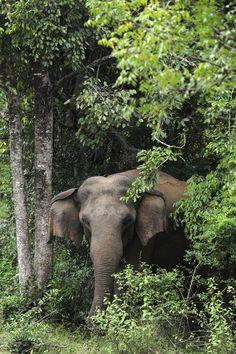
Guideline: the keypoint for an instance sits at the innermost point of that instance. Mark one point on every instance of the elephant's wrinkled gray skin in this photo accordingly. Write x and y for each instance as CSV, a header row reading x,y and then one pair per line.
x,y
117,230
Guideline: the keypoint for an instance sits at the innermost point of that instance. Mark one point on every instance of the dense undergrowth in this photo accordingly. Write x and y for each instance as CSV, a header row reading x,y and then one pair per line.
x,y
183,311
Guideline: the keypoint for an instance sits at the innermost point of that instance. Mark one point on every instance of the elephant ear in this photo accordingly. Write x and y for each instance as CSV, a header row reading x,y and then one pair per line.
x,y
173,189
156,205
64,217
151,216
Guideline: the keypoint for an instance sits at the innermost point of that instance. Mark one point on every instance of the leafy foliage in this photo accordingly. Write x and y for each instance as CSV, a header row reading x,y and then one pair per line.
x,y
165,52
150,164
49,30
71,285
146,303
210,209
104,108
154,310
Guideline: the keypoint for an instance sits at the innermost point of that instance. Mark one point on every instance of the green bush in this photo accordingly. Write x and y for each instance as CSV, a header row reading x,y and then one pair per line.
x,y
72,282
66,300
210,225
26,324
220,339
149,305
160,312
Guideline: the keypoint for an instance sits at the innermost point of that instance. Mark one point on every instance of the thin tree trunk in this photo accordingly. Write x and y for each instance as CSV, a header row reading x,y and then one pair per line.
x,y
22,239
43,176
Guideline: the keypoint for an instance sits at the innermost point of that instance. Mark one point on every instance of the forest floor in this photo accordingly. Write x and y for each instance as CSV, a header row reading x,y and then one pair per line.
x,y
58,340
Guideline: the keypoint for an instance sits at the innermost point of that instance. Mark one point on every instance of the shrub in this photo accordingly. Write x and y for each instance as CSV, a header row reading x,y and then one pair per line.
x,y
217,319
148,305
72,282
26,327
161,312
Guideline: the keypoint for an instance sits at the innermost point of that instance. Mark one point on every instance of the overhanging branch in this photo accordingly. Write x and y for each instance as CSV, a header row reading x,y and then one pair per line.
x,y
123,141
89,66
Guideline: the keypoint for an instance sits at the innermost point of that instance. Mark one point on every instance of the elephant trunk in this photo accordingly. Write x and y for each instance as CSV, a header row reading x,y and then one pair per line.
x,y
106,254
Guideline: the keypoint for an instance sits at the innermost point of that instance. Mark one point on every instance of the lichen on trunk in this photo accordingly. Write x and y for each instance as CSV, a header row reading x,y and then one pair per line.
x,y
43,173
22,239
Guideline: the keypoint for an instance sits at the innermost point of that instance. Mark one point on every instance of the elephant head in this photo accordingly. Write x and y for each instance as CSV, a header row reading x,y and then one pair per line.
x,y
96,211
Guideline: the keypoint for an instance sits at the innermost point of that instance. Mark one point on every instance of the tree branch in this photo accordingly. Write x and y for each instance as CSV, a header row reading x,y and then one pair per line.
x,y
123,142
99,61
172,146
89,66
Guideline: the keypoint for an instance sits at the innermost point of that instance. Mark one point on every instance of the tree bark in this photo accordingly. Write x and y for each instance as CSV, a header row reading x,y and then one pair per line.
x,y
43,173
22,239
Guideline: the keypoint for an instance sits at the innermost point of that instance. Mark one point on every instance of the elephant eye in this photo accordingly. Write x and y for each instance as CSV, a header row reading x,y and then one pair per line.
x,y
85,220
127,221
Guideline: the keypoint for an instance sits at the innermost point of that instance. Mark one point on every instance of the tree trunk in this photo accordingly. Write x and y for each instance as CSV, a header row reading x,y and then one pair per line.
x,y
43,174
22,239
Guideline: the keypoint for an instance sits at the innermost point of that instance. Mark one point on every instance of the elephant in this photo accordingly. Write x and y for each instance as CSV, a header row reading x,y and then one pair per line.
x,y
119,231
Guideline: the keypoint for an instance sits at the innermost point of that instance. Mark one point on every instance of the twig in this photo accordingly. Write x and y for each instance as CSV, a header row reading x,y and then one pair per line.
x,y
123,141
188,294
99,61
171,146
191,283
85,68
66,77
229,115
48,315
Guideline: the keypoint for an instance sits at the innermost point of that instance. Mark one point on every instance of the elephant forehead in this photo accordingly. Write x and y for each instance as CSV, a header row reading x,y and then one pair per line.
x,y
103,187
105,204
119,179
91,181
110,210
